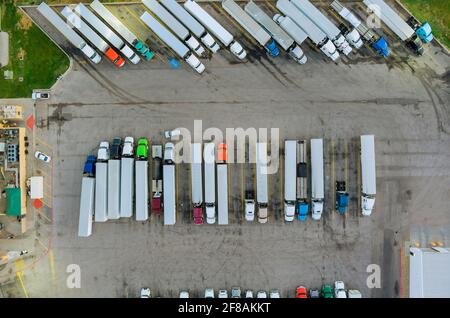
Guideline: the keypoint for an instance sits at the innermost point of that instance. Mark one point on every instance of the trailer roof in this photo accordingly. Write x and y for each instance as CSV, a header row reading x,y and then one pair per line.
x,y
261,172
141,187
290,169
196,173
184,16
317,187
368,172
314,14
169,194
222,193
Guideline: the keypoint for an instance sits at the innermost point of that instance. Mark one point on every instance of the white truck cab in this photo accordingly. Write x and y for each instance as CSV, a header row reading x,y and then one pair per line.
x,y
250,210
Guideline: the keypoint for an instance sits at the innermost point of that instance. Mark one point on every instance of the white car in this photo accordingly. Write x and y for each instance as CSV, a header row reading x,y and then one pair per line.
x,y
248,294
184,294
128,147
222,294
42,156
261,294
339,289
274,293
145,292
103,151
354,293
209,293
249,210
38,95
170,134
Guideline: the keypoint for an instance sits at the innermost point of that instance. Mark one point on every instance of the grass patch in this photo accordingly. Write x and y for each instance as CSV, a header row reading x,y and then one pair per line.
x,y
33,57
436,12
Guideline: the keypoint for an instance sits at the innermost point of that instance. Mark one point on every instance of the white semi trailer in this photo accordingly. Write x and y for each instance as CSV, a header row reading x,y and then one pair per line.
x,y
126,187
277,33
106,32
101,191
173,42
68,32
193,25
197,182
262,196
174,25
295,21
328,27
368,174
290,179
113,189
210,182
141,190
86,206
169,185
222,193
317,182
215,28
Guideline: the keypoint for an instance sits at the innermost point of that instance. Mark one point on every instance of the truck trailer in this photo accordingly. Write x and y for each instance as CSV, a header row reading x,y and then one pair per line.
x,y
86,206
169,185
157,178
295,23
222,193
106,32
323,23
261,182
378,43
277,33
250,25
68,32
174,25
197,182
101,191
290,179
193,25
302,181
317,186
141,189
210,182
113,189
173,42
76,22
368,174
215,28
120,28
126,187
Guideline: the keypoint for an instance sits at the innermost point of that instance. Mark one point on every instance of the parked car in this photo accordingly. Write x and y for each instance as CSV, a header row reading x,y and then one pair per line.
x,y
209,293
142,148
145,292
42,156
274,293
327,291
248,293
169,134
261,294
222,293
353,293
103,151
235,292
314,293
300,292
39,95
184,294
116,148
128,147
339,289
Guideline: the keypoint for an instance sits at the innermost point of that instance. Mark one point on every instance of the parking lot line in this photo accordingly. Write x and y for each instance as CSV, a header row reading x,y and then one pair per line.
x,y
19,276
52,265
268,3
41,244
41,142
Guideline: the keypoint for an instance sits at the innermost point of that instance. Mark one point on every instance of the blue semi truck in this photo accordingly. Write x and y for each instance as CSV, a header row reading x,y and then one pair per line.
x,y
302,181
341,197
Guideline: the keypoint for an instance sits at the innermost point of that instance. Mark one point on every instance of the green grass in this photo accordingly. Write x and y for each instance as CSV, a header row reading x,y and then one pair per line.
x,y
43,61
436,12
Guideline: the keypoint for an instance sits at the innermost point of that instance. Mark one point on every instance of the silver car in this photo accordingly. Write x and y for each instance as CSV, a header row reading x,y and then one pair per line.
x,y
235,292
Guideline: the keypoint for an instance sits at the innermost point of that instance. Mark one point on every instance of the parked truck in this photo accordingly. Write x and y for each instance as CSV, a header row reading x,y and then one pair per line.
x,y
368,174
341,197
173,42
141,189
250,25
126,187
68,32
120,28
277,33
295,23
378,43
174,25
157,178
317,186
86,206
323,23
169,185
261,182
210,182
106,32
101,191
113,189
302,181
76,22
193,25
197,182
215,28
290,179
222,193
413,39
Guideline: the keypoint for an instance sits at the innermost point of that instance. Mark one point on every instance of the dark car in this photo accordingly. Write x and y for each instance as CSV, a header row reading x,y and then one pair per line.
x,y
116,148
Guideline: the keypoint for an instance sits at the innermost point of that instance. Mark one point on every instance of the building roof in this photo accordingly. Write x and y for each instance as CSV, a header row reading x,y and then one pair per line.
x,y
429,275
13,202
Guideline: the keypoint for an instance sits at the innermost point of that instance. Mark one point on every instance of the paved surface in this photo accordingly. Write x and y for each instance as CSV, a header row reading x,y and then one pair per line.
x,y
4,49
403,101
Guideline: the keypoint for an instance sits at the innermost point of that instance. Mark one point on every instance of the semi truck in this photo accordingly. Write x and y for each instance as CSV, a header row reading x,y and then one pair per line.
x,y
173,42
251,26
323,23
86,206
296,22
174,25
210,182
277,33
169,185
120,28
113,189
68,32
261,182
193,25
141,189
368,174
341,197
302,181
76,22
157,178
106,32
101,191
317,182
215,28
412,38
378,43
126,187
197,182
290,179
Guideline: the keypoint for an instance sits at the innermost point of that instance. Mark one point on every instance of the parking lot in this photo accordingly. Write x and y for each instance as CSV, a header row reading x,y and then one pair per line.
x,y
403,101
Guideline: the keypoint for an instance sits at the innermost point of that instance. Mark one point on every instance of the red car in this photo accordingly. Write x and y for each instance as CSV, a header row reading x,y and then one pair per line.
x,y
301,292
198,215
